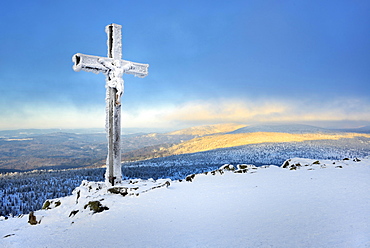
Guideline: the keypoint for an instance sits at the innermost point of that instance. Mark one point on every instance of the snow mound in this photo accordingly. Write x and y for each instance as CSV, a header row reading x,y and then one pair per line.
x,y
95,197
303,203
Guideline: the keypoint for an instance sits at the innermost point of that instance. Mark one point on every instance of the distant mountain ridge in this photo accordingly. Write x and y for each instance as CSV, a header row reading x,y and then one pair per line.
x,y
208,129
37,149
211,137
283,128
365,129
207,143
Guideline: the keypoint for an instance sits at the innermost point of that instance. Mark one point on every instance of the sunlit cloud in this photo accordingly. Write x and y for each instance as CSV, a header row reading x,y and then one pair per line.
x,y
193,113
225,111
246,111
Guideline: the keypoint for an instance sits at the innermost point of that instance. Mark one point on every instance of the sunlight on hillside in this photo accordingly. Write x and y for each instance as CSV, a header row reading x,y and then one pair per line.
x,y
229,140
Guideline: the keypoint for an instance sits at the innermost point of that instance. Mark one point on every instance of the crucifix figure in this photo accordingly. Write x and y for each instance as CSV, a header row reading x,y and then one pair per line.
x,y
113,67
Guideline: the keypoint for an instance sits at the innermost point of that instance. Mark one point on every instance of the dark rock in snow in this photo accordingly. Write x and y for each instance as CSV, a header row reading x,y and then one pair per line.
x,y
32,219
96,206
119,190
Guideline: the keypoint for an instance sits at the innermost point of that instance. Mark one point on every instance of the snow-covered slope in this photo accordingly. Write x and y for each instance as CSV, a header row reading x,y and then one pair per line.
x,y
304,203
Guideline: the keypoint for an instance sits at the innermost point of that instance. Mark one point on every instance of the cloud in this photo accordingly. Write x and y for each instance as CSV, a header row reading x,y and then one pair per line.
x,y
51,116
192,113
271,110
225,111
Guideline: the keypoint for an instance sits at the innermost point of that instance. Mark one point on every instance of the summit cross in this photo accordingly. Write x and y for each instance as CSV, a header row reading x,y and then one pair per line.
x,y
113,66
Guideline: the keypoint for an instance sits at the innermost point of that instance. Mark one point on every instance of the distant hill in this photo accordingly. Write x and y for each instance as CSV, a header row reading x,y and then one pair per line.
x,y
208,129
37,149
212,142
283,128
207,138
365,129
24,133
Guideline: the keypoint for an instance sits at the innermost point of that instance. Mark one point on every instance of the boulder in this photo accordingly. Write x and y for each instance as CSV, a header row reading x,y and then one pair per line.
x,y
32,219
96,206
190,178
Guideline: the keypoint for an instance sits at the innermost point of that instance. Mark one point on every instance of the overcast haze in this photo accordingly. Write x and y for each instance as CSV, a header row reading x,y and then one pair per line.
x,y
210,62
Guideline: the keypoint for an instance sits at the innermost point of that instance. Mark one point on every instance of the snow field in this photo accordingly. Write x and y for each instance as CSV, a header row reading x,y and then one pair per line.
x,y
319,205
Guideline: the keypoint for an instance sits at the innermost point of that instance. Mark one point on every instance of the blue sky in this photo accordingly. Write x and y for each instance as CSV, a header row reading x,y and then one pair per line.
x,y
210,62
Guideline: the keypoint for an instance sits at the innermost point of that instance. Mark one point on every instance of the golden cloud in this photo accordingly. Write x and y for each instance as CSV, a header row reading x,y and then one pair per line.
x,y
269,111
193,113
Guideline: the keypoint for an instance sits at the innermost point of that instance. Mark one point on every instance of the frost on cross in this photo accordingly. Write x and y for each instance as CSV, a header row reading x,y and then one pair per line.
x,y
115,71
113,67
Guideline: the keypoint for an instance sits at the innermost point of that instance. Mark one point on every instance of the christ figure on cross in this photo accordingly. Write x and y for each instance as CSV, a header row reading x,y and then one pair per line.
x,y
113,67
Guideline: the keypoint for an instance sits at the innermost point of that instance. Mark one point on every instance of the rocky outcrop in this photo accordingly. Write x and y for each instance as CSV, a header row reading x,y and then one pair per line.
x,y
312,164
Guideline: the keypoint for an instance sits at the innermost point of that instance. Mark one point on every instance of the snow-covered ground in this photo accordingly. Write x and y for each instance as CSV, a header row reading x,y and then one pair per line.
x,y
323,204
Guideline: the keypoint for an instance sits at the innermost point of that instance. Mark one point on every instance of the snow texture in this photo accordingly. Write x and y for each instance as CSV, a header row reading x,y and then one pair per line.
x,y
113,129
88,63
114,41
304,203
115,71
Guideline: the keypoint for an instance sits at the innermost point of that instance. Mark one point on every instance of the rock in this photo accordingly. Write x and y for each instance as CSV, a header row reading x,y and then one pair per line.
x,y
292,166
49,204
73,213
190,178
227,167
166,184
119,190
46,205
78,196
219,171
9,235
286,163
32,219
246,166
96,206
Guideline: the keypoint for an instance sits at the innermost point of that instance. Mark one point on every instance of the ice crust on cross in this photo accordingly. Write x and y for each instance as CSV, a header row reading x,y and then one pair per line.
x,y
114,75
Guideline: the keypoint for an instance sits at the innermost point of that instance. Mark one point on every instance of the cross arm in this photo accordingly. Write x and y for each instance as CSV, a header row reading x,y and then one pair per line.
x,y
88,63
137,69
98,64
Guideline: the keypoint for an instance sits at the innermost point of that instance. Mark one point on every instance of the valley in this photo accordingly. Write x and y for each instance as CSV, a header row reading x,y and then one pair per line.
x,y
72,157
53,149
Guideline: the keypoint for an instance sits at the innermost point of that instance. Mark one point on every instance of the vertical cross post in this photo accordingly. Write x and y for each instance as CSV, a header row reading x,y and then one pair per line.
x,y
113,122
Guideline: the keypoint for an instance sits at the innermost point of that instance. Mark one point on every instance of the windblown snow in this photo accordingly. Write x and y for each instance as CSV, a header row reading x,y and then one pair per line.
x,y
304,203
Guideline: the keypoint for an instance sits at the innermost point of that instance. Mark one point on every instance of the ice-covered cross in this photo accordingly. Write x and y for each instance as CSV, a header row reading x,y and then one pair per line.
x,y
113,67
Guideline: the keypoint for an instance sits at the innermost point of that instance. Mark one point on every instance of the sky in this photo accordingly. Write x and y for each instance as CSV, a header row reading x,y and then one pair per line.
x,y
240,61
